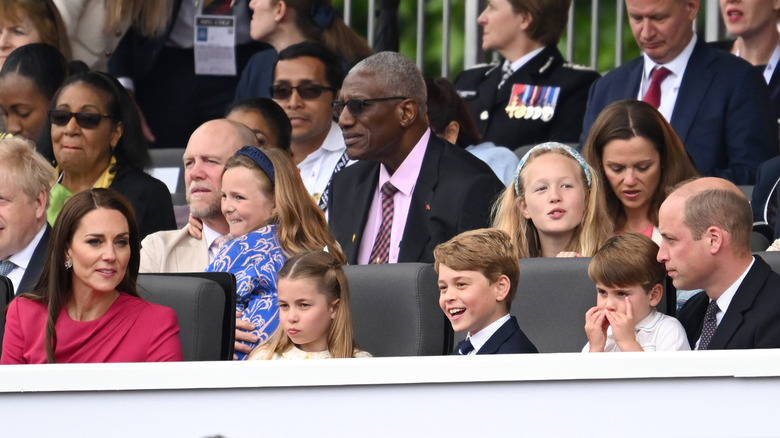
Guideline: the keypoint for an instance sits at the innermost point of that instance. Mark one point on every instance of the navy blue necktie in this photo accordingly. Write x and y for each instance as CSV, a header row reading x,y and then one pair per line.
x,y
464,347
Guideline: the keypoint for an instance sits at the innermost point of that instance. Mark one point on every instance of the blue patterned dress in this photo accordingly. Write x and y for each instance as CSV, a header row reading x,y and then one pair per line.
x,y
254,259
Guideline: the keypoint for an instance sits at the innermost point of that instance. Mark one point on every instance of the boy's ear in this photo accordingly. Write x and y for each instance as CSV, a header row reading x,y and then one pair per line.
x,y
502,286
656,293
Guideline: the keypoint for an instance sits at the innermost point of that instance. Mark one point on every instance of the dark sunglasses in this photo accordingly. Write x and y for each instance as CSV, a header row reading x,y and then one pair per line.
x,y
305,91
357,106
85,120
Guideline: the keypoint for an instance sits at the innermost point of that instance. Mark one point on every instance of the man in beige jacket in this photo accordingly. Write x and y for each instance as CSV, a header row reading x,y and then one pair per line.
x,y
207,151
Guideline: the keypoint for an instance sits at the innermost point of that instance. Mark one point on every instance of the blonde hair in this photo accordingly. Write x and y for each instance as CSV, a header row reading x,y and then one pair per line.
x,y
150,17
325,270
25,167
301,223
488,251
594,228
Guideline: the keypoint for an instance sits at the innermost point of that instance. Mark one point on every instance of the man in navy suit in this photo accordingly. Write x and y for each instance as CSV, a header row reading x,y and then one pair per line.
x,y
717,103
440,190
705,227
25,178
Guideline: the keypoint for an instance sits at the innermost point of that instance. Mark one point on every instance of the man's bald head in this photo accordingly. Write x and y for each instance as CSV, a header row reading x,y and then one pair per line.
x,y
716,202
210,145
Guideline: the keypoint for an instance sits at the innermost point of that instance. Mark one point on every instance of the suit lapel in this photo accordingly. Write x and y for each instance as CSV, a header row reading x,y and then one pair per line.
x,y
351,224
416,235
35,265
695,84
741,303
499,337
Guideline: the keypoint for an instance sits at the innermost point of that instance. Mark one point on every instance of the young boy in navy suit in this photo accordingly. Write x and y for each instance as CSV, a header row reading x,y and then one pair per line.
x,y
478,276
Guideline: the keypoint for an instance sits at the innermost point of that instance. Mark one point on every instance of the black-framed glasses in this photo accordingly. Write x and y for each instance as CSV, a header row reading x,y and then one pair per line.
x,y
306,91
357,106
85,120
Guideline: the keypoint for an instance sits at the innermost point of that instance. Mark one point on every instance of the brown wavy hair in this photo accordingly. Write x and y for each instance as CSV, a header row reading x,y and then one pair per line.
x,y
624,120
55,286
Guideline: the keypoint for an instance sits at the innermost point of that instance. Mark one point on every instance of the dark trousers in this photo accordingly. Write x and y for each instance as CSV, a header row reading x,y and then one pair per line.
x,y
175,100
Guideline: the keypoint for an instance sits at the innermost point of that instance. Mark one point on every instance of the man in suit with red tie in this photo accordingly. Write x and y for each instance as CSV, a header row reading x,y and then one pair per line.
x,y
717,103
410,189
705,227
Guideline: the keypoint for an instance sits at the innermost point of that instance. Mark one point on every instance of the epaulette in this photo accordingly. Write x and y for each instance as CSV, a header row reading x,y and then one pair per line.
x,y
577,66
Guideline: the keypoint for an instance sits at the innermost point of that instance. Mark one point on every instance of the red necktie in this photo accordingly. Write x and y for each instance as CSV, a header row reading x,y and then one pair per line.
x,y
653,95
380,253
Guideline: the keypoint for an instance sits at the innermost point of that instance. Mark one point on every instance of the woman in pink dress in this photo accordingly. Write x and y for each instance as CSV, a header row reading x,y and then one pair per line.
x,y
85,307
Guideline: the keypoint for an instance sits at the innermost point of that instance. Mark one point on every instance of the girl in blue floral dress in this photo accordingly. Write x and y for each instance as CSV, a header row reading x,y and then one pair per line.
x,y
271,218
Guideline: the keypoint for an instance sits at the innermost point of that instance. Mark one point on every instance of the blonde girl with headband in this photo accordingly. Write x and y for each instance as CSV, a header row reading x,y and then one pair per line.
x,y
554,206
271,218
315,320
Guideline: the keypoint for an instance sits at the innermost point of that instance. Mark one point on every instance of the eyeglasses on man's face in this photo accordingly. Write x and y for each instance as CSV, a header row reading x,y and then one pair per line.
x,y
357,106
305,91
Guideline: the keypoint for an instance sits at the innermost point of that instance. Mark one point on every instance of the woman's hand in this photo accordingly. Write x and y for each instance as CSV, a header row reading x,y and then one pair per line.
x,y
596,329
195,227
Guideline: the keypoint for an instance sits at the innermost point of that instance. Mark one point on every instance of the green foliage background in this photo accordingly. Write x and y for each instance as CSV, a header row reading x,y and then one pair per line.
x,y
434,31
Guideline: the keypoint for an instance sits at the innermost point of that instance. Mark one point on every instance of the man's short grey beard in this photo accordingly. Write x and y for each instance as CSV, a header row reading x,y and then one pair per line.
x,y
208,212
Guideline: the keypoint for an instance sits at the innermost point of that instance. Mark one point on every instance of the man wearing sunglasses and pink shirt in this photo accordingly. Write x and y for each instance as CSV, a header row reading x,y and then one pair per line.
x,y
307,78
410,190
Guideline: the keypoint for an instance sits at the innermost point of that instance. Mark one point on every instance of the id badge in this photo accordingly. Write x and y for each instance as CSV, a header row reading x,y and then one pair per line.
x,y
215,45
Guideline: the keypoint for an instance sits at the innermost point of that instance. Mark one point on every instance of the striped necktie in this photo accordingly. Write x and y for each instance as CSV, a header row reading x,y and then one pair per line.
x,y
380,253
323,202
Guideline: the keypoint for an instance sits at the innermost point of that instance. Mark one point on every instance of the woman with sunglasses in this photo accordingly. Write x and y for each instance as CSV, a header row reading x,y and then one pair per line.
x,y
97,143
282,23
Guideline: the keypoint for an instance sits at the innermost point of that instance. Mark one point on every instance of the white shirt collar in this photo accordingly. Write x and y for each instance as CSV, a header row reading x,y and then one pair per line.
x,y
22,258
334,142
725,299
676,65
478,339
517,65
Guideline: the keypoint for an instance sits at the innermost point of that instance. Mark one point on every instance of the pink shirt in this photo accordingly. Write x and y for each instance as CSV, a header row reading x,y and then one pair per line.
x,y
132,330
404,179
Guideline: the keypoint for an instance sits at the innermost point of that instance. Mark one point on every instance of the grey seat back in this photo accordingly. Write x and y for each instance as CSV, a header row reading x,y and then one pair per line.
x,y
553,296
395,310
772,258
199,305
551,301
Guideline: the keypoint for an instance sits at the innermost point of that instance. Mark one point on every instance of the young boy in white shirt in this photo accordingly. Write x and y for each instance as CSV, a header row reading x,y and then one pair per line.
x,y
629,284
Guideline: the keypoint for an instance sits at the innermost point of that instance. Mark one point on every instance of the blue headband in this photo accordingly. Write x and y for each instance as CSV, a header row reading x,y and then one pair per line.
x,y
550,146
261,159
322,15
